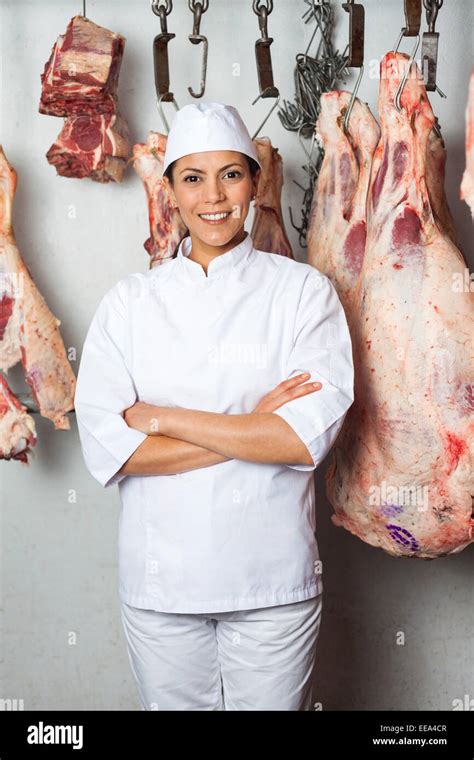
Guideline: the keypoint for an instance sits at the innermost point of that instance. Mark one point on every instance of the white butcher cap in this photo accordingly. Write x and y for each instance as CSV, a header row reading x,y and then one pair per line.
x,y
206,126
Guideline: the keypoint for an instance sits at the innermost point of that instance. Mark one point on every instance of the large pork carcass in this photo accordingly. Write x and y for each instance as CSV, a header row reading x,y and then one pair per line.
x,y
167,228
467,184
402,477
79,82
338,227
29,331
17,428
268,229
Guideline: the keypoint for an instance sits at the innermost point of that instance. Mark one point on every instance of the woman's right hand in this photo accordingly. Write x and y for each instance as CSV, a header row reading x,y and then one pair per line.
x,y
286,391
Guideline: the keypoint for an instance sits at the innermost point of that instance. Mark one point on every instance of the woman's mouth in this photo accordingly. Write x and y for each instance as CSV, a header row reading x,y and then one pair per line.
x,y
219,218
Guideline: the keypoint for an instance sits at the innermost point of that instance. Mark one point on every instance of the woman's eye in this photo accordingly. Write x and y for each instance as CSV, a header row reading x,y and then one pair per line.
x,y
193,176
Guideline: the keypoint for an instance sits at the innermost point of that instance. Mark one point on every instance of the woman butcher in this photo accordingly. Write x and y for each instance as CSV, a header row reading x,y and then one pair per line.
x,y
210,388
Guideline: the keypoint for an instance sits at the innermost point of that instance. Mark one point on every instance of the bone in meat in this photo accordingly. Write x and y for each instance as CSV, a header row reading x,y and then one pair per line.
x,y
29,329
81,75
402,477
79,82
92,146
167,228
268,230
17,428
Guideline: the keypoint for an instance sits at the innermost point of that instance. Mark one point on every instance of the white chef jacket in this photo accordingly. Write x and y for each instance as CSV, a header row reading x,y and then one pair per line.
x,y
238,534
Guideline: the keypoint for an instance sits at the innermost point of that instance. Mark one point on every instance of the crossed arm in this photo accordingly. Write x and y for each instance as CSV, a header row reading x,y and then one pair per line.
x,y
179,439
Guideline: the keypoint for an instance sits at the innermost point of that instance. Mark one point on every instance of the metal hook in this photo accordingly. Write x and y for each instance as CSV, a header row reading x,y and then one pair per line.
x,y
405,76
84,8
160,53
196,39
198,8
313,140
429,47
356,33
262,53
262,95
160,109
351,102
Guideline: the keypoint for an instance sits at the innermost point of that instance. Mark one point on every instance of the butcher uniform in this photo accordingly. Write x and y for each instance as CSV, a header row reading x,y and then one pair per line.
x,y
219,572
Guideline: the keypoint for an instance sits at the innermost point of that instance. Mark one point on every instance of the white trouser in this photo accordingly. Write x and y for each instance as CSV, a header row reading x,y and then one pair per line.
x,y
261,659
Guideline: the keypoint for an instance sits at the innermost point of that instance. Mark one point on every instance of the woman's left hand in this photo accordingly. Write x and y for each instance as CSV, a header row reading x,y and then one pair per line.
x,y
143,417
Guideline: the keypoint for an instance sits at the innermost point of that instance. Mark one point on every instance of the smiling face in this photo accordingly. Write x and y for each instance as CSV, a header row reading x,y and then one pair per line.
x,y
213,183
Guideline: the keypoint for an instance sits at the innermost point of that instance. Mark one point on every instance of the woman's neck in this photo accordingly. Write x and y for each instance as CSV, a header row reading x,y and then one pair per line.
x,y
203,253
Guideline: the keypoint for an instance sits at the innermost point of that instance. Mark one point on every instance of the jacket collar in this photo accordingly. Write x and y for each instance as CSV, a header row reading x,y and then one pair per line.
x,y
221,266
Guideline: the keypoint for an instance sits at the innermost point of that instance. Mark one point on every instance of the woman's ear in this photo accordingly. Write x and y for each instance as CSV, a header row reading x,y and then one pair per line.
x,y
171,194
255,182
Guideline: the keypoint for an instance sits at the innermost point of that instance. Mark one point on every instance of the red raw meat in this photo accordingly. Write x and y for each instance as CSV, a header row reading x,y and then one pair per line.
x,y
338,226
92,146
403,475
28,330
268,230
81,75
80,82
167,228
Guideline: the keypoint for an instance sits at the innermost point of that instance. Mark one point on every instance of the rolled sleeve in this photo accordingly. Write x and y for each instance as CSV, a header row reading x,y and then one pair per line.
x,y
322,347
104,390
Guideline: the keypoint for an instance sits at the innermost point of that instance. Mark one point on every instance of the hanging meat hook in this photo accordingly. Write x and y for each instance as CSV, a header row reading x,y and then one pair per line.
x,y
262,95
160,59
356,49
196,38
263,58
429,48
411,29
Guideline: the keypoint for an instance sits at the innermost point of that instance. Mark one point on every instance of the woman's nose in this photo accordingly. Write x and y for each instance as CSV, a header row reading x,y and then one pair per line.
x,y
213,191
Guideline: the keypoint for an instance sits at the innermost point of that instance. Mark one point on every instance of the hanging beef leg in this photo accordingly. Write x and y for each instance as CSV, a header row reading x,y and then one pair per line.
x,y
268,229
167,228
29,331
403,476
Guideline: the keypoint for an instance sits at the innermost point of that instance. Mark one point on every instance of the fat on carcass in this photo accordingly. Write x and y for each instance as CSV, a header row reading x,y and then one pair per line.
x,y
79,82
29,331
17,427
167,228
268,229
467,184
402,477
337,227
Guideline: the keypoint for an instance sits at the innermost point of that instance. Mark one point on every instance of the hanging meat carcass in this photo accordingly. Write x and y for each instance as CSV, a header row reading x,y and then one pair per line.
x,y
166,225
337,228
268,230
79,82
17,428
402,477
467,184
29,331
